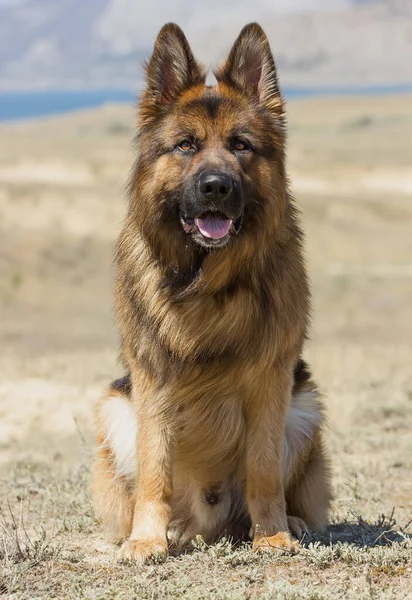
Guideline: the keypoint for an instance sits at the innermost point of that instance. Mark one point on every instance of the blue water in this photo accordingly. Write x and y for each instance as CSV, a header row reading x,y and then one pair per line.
x,y
27,105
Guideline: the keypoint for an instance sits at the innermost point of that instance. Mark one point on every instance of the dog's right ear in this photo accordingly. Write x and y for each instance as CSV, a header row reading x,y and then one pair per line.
x,y
171,70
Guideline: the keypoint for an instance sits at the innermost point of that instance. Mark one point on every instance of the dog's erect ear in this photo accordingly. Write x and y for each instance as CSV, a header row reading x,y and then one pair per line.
x,y
171,69
250,67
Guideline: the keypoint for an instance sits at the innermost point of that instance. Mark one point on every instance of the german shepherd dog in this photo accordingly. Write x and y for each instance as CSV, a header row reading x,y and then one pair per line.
x,y
216,428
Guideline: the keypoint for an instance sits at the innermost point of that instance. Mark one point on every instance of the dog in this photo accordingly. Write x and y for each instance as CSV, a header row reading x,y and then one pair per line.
x,y
216,427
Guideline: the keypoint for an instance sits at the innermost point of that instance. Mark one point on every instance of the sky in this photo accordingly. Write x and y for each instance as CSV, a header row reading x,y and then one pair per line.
x,y
291,4
11,2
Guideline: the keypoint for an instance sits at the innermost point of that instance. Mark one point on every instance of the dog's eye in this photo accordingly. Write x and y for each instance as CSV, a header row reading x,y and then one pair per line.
x,y
186,146
240,145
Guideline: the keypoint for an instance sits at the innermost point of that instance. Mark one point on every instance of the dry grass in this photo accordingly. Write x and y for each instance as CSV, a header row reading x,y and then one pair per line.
x,y
50,547
60,209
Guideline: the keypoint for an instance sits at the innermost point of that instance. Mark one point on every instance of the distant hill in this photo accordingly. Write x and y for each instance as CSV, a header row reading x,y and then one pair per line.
x,y
101,43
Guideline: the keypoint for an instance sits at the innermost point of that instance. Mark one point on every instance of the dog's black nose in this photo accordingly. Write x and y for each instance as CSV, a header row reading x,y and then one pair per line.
x,y
215,186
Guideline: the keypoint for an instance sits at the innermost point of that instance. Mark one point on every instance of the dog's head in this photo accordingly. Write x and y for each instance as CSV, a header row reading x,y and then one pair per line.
x,y
210,162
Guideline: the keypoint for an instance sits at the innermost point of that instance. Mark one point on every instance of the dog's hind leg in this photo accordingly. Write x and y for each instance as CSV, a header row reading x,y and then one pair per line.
x,y
111,498
114,469
306,468
308,494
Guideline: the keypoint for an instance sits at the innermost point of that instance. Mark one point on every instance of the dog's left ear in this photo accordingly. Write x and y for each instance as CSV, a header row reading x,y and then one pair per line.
x,y
250,67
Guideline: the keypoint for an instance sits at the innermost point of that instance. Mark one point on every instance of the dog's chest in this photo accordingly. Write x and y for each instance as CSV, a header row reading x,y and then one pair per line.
x,y
211,435
212,326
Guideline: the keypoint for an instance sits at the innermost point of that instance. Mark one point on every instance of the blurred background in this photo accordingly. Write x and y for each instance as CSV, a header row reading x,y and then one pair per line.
x,y
70,72
98,45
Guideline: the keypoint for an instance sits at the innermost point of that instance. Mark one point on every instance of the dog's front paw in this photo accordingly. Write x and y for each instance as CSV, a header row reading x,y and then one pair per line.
x,y
143,551
279,541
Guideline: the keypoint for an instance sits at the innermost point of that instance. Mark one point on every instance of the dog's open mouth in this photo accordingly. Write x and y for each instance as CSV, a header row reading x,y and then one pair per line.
x,y
211,227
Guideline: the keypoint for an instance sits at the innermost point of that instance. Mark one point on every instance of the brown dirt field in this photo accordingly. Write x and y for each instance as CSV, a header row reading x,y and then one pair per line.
x,y
62,201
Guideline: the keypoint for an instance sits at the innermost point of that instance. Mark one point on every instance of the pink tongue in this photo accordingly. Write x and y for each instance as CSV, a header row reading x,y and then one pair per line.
x,y
214,227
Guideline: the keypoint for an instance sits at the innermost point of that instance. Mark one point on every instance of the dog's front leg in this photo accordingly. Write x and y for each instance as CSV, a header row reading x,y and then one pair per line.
x,y
265,422
153,487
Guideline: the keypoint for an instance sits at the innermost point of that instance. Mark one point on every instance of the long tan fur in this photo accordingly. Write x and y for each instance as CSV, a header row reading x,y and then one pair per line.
x,y
217,426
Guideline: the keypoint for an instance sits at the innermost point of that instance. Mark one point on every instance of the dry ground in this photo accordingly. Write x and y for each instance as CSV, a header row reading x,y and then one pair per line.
x,y
61,205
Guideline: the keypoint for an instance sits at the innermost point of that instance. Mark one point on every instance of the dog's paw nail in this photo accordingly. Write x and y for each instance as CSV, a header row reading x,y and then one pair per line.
x,y
298,527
